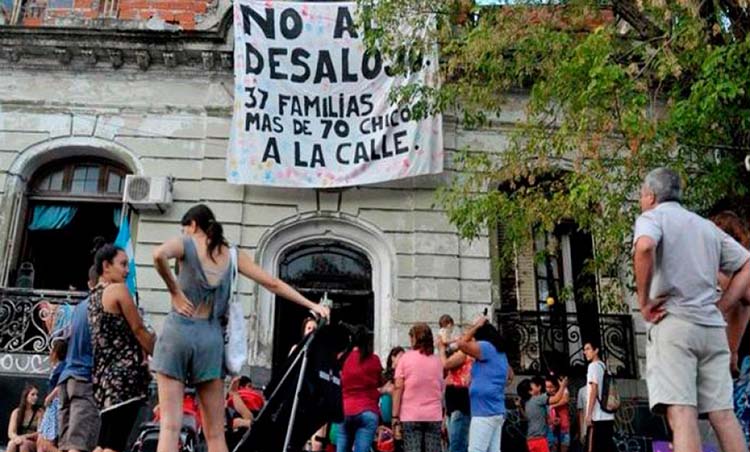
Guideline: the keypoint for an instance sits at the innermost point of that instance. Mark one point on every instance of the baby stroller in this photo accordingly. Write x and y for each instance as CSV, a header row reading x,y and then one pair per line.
x,y
304,398
148,432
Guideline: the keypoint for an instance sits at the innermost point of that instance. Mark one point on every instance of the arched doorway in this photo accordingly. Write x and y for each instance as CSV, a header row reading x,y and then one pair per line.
x,y
321,268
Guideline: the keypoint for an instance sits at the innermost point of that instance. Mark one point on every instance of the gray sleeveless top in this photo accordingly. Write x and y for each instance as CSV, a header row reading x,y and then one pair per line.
x,y
193,282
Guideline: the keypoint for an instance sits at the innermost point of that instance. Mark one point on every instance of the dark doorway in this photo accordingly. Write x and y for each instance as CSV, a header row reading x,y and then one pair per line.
x,y
317,269
62,257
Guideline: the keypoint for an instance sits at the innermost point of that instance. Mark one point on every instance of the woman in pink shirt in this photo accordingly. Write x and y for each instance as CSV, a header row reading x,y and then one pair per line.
x,y
361,379
418,393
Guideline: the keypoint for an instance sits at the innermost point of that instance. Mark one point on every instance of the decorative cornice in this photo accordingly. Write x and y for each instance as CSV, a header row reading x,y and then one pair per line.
x,y
81,49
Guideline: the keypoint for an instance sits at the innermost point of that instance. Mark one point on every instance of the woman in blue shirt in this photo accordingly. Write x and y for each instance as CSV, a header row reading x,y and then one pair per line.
x,y
489,375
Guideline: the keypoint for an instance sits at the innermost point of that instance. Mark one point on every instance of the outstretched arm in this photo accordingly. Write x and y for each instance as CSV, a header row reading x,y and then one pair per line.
x,y
250,269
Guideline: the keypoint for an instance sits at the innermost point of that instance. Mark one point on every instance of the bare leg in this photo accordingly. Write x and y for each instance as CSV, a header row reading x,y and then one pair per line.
x,y
12,447
211,397
171,392
45,445
28,445
683,420
728,430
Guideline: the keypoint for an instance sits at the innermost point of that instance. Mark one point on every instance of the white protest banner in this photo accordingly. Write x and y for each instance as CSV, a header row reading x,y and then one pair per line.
x,y
312,106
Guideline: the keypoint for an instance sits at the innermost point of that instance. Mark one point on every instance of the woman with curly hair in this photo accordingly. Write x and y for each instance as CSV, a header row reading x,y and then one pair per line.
x,y
418,393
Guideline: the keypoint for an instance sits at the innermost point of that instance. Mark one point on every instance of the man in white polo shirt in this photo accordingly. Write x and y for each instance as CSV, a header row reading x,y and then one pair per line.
x,y
677,256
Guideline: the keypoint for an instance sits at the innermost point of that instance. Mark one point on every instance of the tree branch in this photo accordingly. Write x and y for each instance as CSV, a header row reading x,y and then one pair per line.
x,y
628,11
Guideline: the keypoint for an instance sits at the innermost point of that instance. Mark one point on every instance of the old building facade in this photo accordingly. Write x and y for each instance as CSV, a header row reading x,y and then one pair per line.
x,y
91,92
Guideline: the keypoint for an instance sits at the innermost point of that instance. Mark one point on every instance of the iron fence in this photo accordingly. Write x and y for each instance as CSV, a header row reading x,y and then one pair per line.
x,y
543,341
27,317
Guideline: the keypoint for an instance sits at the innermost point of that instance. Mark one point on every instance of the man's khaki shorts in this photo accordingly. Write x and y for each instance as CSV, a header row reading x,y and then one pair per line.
x,y
688,364
79,416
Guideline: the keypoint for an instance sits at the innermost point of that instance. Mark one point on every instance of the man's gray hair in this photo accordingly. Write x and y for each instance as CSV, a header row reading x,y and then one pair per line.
x,y
665,184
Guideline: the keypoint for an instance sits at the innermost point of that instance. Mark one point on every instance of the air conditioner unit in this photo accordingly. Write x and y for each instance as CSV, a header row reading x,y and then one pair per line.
x,y
148,192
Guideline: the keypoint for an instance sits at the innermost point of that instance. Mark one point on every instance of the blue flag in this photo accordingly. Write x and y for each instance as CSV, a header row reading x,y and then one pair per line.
x,y
125,241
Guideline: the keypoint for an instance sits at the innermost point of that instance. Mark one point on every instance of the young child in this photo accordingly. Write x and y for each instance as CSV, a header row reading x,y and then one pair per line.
x,y
535,405
48,427
559,417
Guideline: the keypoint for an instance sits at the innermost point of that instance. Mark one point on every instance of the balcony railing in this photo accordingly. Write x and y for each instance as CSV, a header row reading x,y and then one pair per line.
x,y
27,316
540,341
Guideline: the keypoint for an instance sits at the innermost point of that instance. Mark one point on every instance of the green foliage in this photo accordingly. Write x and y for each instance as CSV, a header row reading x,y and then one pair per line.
x,y
610,96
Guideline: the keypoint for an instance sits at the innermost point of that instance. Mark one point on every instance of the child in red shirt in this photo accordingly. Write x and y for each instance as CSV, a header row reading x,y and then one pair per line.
x,y
559,417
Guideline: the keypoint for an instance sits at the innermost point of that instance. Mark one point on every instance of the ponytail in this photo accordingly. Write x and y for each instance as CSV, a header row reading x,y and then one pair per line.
x,y
215,234
205,220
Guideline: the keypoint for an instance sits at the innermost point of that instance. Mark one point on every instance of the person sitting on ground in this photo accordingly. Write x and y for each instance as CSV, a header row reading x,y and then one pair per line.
x,y
534,408
23,423
244,402
48,427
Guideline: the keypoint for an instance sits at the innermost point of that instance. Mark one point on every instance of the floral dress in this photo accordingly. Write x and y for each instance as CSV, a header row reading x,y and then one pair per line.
x,y
120,373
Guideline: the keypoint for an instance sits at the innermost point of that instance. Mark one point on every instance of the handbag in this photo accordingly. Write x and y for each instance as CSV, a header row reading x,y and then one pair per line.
x,y
384,440
235,333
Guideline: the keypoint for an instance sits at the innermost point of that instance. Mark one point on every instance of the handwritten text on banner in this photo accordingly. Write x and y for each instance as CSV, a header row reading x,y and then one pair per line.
x,y
312,106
